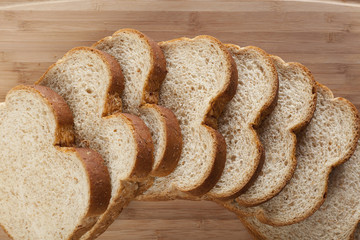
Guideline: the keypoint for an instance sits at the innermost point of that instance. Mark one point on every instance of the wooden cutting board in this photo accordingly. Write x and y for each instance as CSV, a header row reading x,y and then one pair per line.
x,y
322,35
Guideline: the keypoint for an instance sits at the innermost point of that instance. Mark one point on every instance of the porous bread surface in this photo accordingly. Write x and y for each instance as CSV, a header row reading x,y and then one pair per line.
x,y
294,109
201,74
327,141
45,190
257,89
144,69
86,77
336,218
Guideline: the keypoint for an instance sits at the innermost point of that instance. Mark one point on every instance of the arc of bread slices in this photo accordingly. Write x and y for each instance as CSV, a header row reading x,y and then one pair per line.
x,y
144,67
91,82
201,79
48,189
294,109
329,140
339,215
254,99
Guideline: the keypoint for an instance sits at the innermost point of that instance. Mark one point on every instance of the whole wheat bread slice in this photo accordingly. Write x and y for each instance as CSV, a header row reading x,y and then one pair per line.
x,y
144,68
91,82
48,189
294,109
337,218
201,79
329,140
254,99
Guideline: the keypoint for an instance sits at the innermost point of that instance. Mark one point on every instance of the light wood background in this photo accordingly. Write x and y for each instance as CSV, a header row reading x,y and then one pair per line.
x,y
323,35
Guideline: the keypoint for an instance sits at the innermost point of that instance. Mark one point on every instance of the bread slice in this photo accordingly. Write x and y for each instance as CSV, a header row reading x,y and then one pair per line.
x,y
254,99
329,140
201,79
48,189
144,68
337,218
294,109
91,83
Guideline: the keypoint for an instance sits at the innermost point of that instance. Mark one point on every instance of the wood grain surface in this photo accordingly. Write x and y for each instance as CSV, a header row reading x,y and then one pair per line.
x,y
323,35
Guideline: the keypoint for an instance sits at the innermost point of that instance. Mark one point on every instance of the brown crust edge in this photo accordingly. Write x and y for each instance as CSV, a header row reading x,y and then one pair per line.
x,y
144,146
262,216
293,130
217,166
173,144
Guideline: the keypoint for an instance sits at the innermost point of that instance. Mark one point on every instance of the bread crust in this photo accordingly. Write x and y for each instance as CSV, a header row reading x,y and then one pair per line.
x,y
173,144
218,164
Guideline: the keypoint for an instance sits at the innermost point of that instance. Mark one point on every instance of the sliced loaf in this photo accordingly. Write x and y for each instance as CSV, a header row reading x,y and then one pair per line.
x,y
144,68
91,82
48,190
326,142
254,99
337,218
294,109
201,79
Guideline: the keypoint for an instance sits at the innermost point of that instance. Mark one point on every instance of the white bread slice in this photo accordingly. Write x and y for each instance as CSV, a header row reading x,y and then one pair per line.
x,y
337,218
294,109
254,99
201,79
144,68
91,83
329,140
48,191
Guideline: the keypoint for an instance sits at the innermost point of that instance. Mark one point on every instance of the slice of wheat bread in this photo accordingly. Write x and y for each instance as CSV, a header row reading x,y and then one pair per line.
x,y
91,82
254,99
329,140
144,68
201,80
294,109
337,218
48,189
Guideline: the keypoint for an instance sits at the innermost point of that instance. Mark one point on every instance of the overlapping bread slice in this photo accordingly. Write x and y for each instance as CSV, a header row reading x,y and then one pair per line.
x,y
201,80
294,109
91,82
48,189
329,140
144,68
254,99
339,215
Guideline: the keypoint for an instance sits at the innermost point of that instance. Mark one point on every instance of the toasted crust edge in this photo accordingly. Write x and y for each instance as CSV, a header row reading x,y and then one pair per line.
x,y
173,144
